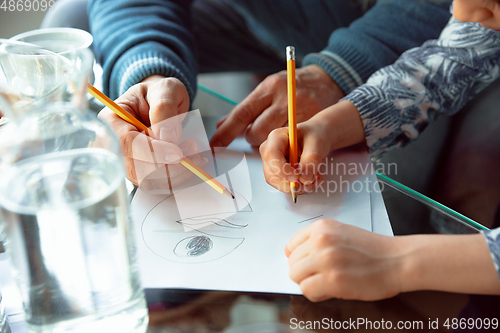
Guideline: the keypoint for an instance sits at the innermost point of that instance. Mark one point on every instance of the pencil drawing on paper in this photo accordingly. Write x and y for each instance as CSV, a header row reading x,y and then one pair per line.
x,y
194,246
180,240
198,222
312,218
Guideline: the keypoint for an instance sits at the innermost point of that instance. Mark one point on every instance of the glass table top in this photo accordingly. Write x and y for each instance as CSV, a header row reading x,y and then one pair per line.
x,y
196,311
214,106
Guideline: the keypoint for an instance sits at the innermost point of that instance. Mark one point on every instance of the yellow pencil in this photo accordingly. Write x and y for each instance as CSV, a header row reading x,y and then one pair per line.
x,y
292,116
134,121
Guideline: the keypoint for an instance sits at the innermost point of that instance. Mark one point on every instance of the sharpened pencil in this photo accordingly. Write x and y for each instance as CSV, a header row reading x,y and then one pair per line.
x,y
292,116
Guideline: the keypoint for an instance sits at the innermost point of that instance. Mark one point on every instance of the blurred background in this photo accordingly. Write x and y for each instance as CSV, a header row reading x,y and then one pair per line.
x,y
13,23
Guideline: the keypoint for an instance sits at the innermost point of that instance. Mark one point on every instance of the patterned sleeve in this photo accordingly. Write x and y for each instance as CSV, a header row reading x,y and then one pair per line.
x,y
400,100
493,240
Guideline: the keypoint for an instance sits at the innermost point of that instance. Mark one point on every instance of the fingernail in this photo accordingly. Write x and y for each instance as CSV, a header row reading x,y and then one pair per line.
x,y
305,181
201,161
168,133
197,160
172,157
191,146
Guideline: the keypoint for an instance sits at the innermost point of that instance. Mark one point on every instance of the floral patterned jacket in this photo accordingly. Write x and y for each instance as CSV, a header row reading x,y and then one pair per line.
x,y
438,78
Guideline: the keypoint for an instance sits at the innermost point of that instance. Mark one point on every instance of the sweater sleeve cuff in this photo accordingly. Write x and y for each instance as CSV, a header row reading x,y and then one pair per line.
x,y
143,61
383,130
493,241
339,70
347,66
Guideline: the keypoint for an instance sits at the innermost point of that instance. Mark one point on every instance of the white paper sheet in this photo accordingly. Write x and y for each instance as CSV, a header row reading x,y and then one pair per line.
x,y
198,239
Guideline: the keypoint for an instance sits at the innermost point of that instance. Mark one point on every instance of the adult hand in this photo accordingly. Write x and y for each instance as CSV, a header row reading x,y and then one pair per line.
x,y
266,108
331,259
336,127
160,103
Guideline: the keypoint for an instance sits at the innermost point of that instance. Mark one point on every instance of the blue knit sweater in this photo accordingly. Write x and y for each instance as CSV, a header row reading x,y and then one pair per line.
x,y
137,38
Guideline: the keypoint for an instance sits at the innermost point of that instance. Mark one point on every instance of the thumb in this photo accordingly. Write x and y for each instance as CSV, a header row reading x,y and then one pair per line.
x,y
168,103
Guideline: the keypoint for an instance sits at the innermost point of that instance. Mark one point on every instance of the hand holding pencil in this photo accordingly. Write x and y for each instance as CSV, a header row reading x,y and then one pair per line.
x,y
280,152
160,103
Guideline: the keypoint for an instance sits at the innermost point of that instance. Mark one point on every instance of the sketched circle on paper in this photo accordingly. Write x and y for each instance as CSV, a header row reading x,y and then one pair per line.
x,y
177,240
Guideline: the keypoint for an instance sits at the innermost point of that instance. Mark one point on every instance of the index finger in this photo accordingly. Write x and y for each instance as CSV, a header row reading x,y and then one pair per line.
x,y
300,237
168,104
240,117
274,151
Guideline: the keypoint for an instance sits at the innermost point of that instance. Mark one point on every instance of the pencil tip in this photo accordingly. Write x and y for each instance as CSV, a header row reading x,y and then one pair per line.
x,y
294,194
228,194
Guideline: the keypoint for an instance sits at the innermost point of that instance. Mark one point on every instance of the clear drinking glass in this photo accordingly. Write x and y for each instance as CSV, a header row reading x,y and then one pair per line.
x,y
63,200
62,41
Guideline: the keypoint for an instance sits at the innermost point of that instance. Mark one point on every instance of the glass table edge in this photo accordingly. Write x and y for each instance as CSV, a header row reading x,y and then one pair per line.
x,y
433,204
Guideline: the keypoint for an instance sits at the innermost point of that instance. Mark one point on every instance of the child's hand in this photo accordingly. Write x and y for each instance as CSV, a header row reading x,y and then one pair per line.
x,y
331,259
335,127
313,141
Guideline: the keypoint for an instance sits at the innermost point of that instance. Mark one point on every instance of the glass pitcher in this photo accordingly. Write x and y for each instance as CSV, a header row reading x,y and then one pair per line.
x,y
63,199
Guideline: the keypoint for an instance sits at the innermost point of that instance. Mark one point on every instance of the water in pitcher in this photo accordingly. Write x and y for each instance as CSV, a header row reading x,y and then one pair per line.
x,y
71,242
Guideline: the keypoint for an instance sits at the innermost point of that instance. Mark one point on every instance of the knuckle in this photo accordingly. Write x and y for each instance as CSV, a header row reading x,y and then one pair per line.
x,y
274,132
314,158
341,281
263,150
126,142
166,104
322,223
305,96
255,136
306,290
279,78
312,297
276,116
133,90
291,274
103,114
271,180
322,239
243,114
277,132
266,155
329,256
310,293
171,82
130,170
274,81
